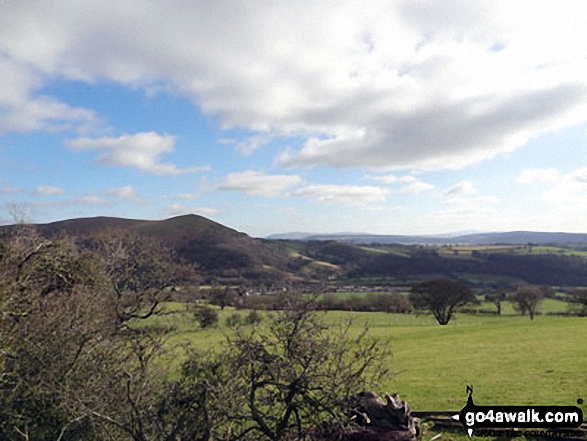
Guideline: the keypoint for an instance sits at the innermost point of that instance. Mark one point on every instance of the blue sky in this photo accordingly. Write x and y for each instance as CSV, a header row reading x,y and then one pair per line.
x,y
405,117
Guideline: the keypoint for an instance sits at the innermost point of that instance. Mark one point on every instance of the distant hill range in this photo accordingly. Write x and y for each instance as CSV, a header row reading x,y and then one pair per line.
x,y
226,256
509,238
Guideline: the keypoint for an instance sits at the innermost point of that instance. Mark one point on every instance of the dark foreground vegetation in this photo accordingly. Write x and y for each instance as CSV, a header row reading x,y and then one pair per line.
x,y
76,364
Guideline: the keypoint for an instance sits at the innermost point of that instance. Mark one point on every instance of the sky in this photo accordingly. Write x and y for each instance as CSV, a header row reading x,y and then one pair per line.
x,y
384,117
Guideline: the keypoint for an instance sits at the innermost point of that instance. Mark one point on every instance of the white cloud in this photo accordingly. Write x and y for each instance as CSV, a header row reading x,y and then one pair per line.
x,y
187,196
375,84
417,187
180,209
530,176
126,192
571,188
11,190
22,110
140,150
344,194
414,185
248,145
91,199
47,190
393,179
465,207
472,202
257,183
464,188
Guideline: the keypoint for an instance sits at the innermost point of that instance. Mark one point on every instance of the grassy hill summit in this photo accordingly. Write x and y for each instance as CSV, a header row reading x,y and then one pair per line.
x,y
169,229
214,247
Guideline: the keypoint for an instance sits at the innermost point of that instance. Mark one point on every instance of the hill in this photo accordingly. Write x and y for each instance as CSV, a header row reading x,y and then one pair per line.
x,y
216,249
507,238
233,258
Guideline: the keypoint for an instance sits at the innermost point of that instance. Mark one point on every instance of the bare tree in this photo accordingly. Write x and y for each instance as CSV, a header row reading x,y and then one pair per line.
x,y
496,297
298,375
141,271
69,369
526,300
578,297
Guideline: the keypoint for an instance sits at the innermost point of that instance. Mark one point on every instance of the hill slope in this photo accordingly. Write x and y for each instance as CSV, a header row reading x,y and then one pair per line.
x,y
214,247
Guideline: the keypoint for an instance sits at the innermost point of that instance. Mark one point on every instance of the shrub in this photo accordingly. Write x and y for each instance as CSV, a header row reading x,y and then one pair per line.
x,y
206,316
234,320
253,317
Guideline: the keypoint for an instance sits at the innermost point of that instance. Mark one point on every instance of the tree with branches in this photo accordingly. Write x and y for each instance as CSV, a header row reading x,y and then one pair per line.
x,y
441,297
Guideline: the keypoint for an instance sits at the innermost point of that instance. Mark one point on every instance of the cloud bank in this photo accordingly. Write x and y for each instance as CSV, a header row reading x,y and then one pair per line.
x,y
140,150
372,84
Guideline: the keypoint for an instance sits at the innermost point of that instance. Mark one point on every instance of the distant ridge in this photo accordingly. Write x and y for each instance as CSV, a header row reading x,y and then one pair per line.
x,y
194,238
507,238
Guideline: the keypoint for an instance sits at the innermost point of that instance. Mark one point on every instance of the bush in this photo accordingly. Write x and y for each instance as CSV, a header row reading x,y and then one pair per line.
x,y
253,317
284,382
234,320
206,316
384,302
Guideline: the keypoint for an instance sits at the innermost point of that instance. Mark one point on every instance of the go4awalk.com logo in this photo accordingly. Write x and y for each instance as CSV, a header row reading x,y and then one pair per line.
x,y
517,417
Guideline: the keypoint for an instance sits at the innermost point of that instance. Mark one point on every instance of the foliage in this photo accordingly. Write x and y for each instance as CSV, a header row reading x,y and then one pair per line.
x,y
441,297
141,272
222,297
578,297
299,373
71,368
234,320
496,297
384,302
205,316
253,317
526,300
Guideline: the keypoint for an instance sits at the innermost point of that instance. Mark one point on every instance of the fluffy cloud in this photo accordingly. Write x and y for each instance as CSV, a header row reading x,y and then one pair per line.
x,y
248,145
414,185
463,188
530,176
417,187
570,188
126,192
344,194
22,110
375,84
91,199
464,202
47,190
180,209
393,179
257,183
140,150
187,196
469,203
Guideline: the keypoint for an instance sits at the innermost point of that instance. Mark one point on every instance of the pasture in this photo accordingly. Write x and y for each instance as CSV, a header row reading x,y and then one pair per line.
x,y
508,359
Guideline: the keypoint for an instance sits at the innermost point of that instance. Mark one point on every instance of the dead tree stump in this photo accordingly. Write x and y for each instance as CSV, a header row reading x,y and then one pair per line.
x,y
375,419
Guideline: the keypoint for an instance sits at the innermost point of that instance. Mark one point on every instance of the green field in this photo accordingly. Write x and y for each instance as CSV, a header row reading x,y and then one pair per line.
x,y
508,359
466,250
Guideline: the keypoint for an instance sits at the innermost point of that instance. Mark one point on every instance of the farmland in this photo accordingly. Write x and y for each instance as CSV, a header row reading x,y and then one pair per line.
x,y
508,359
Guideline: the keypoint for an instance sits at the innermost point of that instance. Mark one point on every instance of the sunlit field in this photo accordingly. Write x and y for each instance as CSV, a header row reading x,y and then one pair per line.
x,y
508,359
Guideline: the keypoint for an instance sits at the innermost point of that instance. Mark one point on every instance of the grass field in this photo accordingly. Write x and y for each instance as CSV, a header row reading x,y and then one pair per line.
x,y
508,359
466,250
